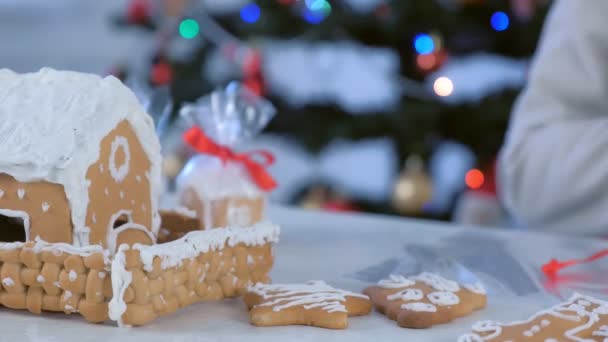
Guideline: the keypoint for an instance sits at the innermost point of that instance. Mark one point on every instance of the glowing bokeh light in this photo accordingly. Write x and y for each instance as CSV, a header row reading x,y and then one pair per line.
x,y
499,21
474,179
316,11
426,62
423,43
250,13
188,28
443,86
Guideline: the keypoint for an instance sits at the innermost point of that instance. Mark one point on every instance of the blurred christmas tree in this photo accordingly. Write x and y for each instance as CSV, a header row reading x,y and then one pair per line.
x,y
421,73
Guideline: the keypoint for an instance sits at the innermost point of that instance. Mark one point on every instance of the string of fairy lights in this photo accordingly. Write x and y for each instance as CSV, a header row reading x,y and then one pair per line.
x,y
427,46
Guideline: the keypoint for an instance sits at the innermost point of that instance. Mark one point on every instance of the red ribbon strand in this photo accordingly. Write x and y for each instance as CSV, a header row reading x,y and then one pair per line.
x,y
255,162
554,266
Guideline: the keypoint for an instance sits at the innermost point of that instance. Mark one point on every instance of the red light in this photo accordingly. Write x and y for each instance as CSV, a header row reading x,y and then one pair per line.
x,y
426,62
474,179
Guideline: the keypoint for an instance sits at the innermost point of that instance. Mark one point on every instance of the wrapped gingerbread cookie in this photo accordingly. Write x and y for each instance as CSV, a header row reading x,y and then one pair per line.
x,y
225,187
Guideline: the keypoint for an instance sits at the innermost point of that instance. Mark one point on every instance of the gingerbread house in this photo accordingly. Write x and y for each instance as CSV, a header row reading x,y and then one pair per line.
x,y
79,190
220,192
79,161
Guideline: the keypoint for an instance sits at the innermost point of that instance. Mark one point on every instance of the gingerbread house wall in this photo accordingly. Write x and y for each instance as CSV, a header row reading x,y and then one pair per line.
x,y
224,211
119,192
43,204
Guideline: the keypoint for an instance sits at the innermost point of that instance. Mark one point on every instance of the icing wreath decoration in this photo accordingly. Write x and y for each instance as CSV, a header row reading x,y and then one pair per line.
x,y
196,138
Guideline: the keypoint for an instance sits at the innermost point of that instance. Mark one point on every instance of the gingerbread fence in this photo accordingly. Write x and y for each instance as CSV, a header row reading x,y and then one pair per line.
x,y
203,265
38,276
139,283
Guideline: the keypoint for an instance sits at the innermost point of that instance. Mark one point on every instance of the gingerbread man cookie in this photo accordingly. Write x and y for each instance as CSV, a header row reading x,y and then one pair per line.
x,y
581,318
314,303
425,300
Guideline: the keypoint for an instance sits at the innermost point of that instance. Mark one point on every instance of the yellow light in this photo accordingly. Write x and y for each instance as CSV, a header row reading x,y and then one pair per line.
x,y
443,86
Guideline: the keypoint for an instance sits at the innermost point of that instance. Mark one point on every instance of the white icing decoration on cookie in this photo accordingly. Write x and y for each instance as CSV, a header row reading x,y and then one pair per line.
x,y
314,294
40,279
101,275
45,206
583,302
1,193
419,307
395,281
8,282
437,282
106,191
67,295
119,172
72,276
577,305
551,340
20,193
602,331
443,298
476,288
407,294
122,195
470,338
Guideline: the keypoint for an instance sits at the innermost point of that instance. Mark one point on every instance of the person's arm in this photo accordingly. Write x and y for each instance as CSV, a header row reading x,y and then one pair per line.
x,y
554,164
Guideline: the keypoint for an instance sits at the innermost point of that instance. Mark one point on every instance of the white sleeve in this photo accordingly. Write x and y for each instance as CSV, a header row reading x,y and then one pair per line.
x,y
553,169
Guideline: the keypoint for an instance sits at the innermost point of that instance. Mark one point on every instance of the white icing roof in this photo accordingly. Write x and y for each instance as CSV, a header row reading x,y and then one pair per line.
x,y
212,179
51,124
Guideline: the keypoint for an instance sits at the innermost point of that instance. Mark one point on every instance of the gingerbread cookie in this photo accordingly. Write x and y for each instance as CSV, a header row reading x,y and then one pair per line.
x,y
425,300
314,303
581,318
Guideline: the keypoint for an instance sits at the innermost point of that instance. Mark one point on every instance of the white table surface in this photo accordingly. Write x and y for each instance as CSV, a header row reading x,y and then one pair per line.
x,y
333,248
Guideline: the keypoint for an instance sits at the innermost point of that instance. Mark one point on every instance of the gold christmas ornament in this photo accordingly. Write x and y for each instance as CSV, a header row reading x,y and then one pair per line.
x,y
413,189
172,165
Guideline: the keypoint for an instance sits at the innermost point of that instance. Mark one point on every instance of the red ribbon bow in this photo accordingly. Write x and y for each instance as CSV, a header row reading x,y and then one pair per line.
x,y
196,138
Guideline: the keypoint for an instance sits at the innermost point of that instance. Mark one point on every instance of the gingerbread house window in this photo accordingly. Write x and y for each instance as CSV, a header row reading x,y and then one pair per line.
x,y
13,227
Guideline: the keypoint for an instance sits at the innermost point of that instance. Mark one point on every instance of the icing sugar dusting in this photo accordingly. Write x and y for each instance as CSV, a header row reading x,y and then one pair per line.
x,y
63,116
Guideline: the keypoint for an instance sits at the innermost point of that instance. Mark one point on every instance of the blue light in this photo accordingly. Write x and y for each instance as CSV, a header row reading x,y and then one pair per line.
x,y
250,13
499,21
316,11
423,43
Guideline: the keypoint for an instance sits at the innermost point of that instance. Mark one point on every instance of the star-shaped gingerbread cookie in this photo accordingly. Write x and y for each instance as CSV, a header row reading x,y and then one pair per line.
x,y
314,303
425,300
